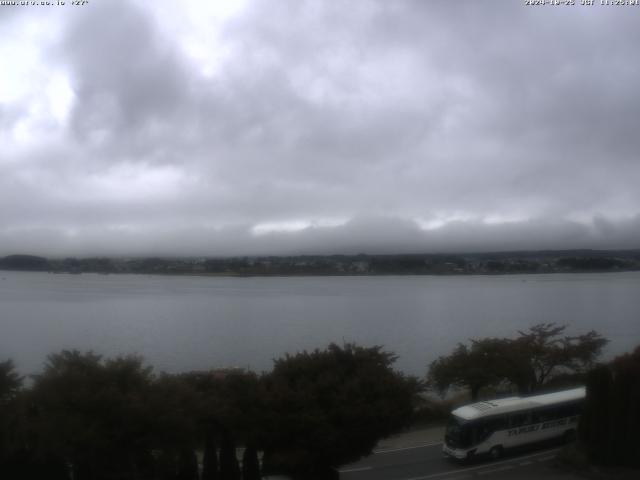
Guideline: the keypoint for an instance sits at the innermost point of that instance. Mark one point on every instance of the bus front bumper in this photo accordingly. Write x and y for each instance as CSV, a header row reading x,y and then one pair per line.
x,y
454,453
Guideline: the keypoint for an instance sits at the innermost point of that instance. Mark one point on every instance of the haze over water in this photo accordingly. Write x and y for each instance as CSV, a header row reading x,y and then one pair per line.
x,y
184,323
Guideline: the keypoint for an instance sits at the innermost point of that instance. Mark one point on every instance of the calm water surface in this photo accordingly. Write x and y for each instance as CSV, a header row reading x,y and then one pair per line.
x,y
184,323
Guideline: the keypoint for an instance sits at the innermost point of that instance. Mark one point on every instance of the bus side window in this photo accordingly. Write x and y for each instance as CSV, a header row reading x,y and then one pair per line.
x,y
483,430
538,416
500,423
520,419
546,414
486,428
569,410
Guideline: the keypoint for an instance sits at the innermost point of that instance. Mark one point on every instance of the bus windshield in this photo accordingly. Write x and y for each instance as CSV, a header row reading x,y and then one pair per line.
x,y
458,433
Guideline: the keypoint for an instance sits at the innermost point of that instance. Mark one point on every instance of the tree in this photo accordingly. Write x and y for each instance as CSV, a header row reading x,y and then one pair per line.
x,y
594,423
544,352
173,406
625,405
10,381
229,400
527,362
230,407
95,414
611,418
10,385
210,459
229,468
187,465
329,407
475,367
250,464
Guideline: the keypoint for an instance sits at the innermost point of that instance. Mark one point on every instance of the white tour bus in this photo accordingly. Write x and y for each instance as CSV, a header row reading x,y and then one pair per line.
x,y
490,427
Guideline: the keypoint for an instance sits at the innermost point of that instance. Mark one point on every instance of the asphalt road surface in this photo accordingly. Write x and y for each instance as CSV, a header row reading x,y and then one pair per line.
x,y
427,463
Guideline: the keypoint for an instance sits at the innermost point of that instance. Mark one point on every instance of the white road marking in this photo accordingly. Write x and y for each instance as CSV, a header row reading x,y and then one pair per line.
x,y
480,467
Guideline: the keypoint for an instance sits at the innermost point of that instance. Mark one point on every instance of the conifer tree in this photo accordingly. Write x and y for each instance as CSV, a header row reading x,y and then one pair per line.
x,y
210,469
250,464
611,417
229,468
594,427
187,465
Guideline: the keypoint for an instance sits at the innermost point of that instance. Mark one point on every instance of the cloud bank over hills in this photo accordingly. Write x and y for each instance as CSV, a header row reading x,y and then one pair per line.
x,y
360,235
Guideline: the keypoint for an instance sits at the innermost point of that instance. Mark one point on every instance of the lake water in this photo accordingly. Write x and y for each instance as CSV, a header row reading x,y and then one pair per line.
x,y
185,323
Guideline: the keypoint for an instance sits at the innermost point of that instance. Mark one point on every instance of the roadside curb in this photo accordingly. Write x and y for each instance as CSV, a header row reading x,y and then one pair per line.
x,y
424,437
407,447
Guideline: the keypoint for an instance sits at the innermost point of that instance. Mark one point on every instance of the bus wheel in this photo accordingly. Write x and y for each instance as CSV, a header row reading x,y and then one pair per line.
x,y
496,452
569,436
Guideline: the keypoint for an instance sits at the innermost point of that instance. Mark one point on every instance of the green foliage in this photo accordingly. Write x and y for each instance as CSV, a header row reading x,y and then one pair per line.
x,y
228,400
90,418
10,385
611,420
548,352
94,414
173,405
475,367
332,406
528,362
594,424
10,382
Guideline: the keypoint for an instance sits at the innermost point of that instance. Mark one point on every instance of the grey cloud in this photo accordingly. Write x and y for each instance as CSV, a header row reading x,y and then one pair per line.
x,y
381,110
128,79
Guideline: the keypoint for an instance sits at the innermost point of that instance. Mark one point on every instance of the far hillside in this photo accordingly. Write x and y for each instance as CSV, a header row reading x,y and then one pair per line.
x,y
551,261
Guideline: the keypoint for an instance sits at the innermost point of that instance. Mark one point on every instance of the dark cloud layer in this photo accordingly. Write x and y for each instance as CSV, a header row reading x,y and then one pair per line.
x,y
292,126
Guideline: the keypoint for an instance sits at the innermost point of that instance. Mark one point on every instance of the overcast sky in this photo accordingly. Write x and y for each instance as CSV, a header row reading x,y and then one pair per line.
x,y
221,127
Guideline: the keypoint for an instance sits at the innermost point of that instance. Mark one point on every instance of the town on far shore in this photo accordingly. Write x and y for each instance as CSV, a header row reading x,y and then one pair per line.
x,y
547,261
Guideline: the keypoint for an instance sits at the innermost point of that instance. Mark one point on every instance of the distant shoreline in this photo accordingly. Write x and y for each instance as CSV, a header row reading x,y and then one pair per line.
x,y
495,263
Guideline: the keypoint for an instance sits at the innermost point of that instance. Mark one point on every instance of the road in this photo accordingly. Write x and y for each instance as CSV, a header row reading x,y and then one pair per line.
x,y
427,463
